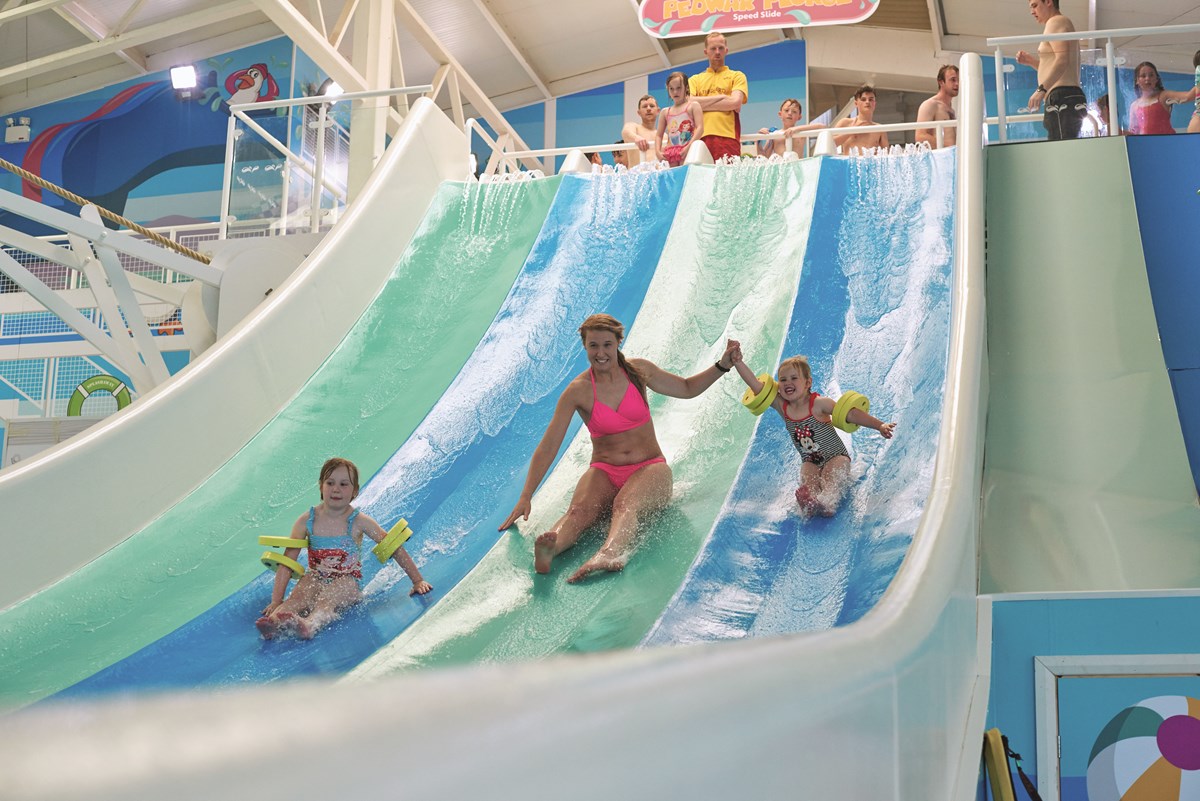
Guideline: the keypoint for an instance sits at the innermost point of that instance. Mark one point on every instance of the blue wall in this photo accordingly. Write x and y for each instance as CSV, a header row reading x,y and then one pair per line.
x,y
1168,208
1023,629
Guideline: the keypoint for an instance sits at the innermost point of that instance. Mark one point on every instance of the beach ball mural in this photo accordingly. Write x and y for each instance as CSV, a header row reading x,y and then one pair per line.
x,y
1148,752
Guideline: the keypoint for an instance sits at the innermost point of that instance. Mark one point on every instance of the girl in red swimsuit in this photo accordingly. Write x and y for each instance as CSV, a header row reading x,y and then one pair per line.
x,y
628,474
1150,112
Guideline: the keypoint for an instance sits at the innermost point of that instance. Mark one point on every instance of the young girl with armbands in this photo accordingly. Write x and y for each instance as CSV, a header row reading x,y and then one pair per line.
x,y
810,419
333,533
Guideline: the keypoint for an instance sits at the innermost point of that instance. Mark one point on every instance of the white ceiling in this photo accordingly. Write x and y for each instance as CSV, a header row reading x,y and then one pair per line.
x,y
517,51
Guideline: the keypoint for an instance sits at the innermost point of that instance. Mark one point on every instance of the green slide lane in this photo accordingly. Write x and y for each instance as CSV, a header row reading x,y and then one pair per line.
x,y
730,269
363,402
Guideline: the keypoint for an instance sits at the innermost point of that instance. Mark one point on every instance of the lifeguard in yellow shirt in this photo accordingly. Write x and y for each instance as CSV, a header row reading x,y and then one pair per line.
x,y
721,93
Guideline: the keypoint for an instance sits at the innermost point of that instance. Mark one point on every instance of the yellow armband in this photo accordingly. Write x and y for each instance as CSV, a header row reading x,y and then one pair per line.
x,y
757,404
848,401
274,560
397,536
282,542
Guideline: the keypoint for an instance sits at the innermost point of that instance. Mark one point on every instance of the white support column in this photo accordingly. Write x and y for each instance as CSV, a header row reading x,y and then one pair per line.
x,y
373,60
550,133
134,319
106,301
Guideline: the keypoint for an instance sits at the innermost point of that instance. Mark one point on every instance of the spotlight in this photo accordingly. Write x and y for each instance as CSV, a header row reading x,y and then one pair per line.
x,y
183,77
330,88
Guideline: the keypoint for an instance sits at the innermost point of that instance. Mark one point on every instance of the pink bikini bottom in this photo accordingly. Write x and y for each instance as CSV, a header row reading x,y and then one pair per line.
x,y
618,474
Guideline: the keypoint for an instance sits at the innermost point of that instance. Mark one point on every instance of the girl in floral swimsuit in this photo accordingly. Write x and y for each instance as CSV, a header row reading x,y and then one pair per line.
x,y
334,530
628,474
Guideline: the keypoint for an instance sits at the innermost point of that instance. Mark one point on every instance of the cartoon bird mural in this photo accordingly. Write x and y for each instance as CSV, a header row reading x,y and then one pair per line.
x,y
253,84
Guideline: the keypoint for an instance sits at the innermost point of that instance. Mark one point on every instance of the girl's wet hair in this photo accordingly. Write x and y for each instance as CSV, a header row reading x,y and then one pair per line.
x,y
687,91
333,464
799,363
606,322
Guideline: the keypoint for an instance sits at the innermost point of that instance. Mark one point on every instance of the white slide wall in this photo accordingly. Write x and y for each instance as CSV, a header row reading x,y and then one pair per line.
x,y
886,708
77,500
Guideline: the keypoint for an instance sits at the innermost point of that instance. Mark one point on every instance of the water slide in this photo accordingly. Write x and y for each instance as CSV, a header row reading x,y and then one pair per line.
x,y
466,458
316,371
760,718
873,310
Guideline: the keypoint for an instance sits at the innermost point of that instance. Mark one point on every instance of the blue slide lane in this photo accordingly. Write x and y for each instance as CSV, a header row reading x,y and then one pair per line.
x,y
872,314
462,470
1167,204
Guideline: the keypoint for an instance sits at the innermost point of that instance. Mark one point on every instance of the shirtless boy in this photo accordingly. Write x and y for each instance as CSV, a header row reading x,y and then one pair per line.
x,y
1057,65
864,101
938,108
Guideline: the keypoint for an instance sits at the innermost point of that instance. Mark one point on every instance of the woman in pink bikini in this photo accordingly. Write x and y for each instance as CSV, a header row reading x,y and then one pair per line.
x,y
628,474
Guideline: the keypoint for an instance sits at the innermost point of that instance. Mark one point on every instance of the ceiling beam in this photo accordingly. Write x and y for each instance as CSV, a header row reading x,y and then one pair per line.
x,y
127,17
78,55
313,43
498,29
10,13
98,77
315,10
95,30
342,24
663,54
470,90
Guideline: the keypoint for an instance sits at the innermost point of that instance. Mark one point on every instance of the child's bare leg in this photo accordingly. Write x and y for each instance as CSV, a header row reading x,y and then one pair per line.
x,y
809,489
647,491
339,594
283,618
593,494
833,481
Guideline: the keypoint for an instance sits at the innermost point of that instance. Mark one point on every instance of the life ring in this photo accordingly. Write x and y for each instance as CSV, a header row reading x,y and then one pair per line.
x,y
97,383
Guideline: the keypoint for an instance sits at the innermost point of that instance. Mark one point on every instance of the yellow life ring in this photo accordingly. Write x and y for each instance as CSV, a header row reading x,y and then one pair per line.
x,y
757,404
107,383
396,536
848,401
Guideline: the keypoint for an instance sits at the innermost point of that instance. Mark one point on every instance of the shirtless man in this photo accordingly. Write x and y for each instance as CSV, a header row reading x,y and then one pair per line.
x,y
643,132
864,101
938,108
1057,65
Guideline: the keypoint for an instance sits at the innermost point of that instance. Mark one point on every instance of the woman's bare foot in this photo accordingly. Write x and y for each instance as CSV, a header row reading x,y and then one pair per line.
x,y
603,560
543,551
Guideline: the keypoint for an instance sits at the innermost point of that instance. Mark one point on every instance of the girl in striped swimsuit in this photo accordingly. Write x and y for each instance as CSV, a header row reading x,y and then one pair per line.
x,y
825,463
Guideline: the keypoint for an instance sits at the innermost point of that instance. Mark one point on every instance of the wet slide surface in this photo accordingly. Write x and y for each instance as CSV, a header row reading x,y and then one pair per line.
x,y
872,315
365,400
729,268
596,250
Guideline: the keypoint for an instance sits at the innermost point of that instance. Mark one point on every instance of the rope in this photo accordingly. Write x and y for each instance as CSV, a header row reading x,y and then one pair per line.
x,y
37,180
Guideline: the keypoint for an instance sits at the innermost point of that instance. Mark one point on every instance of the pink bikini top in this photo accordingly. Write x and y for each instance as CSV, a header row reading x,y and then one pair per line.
x,y
1154,118
630,413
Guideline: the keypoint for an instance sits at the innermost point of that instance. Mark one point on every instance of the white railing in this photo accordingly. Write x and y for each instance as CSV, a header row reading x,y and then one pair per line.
x,y
1110,61
316,171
